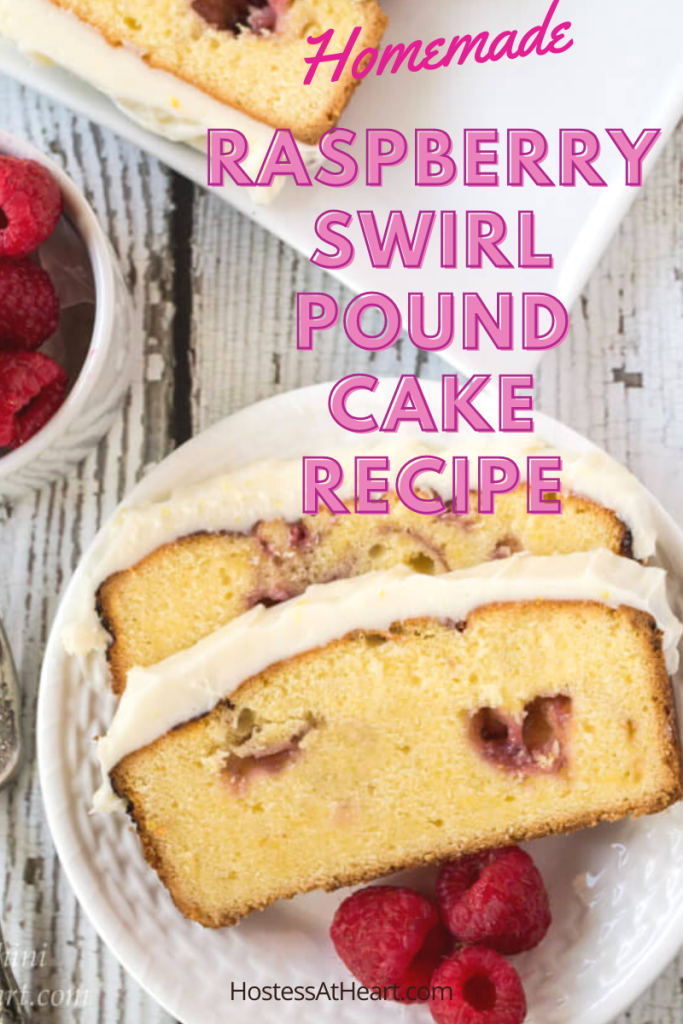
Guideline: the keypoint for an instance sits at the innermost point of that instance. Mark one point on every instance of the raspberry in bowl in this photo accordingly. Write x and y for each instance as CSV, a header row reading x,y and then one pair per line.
x,y
64,323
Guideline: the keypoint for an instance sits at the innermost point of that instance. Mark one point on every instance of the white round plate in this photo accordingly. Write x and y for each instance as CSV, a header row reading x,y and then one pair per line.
x,y
616,891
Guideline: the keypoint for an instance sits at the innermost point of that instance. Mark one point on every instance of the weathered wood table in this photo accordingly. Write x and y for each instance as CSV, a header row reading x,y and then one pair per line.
x,y
213,333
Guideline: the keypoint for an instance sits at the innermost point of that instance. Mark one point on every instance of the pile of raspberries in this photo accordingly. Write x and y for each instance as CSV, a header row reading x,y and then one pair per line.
x,y
32,385
449,953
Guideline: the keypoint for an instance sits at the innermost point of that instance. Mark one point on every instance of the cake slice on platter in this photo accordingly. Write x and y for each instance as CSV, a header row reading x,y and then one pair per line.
x,y
393,720
181,67
176,570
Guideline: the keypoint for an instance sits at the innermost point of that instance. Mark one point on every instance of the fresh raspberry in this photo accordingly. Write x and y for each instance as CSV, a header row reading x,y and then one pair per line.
x,y
378,932
477,986
32,388
415,984
29,307
494,899
30,206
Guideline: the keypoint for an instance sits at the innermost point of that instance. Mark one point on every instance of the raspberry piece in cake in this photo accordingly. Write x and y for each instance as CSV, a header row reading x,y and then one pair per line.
x,y
30,206
29,307
536,742
32,388
225,15
477,986
231,15
495,899
378,932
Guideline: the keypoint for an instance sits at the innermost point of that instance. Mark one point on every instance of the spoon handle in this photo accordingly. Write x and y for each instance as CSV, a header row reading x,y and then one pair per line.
x,y
10,715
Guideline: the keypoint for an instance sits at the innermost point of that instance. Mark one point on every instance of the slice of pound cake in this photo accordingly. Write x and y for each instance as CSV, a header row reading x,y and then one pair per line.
x,y
244,55
241,540
394,720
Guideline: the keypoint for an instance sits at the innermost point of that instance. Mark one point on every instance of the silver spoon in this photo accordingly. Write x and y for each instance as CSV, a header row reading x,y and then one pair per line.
x,y
10,714
11,1011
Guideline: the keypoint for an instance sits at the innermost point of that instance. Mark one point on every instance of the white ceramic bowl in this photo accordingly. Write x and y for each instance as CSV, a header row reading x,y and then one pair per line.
x,y
616,891
95,396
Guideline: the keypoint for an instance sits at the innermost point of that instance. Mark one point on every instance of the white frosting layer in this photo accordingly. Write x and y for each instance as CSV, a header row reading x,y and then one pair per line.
x,y
192,682
269,489
160,102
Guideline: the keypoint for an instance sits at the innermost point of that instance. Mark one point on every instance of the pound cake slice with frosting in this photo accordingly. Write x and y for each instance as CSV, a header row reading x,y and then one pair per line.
x,y
393,720
180,66
189,565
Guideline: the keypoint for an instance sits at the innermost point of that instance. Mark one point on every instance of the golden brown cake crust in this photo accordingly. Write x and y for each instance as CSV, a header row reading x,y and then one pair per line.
x,y
261,76
668,790
193,586
447,851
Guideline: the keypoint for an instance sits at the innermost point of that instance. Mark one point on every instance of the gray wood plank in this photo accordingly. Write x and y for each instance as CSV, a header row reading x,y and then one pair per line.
x,y
41,540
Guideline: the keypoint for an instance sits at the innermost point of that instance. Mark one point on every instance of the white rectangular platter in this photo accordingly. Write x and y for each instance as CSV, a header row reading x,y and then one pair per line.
x,y
624,70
